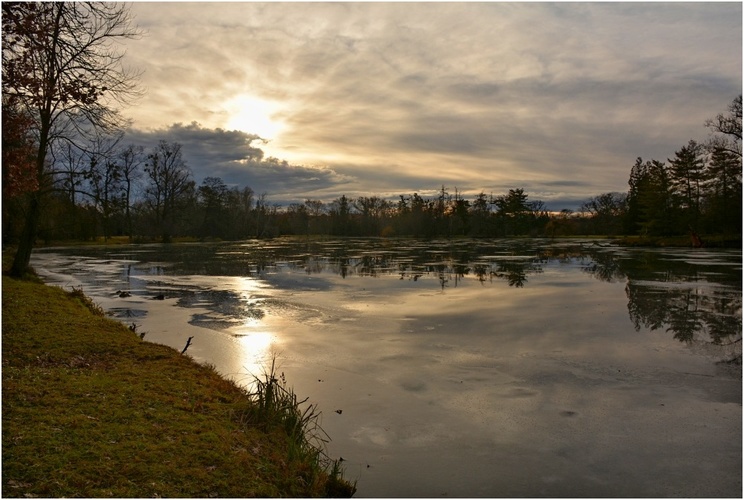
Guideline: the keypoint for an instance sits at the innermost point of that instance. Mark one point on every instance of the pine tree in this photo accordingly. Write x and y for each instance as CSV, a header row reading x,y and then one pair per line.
x,y
724,191
687,176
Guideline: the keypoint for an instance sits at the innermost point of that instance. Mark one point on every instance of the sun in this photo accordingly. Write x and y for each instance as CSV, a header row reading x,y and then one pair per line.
x,y
253,115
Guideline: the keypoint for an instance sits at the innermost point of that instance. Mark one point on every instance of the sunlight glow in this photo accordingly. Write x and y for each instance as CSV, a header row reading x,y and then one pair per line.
x,y
256,343
257,351
254,116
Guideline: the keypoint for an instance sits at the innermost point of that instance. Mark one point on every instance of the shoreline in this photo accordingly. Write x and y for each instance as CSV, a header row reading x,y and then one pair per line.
x,y
681,241
91,410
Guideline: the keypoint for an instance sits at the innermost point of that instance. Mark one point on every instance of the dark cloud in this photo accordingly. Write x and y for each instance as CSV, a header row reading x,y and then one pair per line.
x,y
237,158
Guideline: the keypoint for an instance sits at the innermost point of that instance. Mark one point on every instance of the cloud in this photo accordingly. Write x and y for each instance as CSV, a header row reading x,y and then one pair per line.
x,y
397,97
237,159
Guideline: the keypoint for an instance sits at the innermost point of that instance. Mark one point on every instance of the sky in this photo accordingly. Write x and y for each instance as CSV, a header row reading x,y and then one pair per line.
x,y
315,100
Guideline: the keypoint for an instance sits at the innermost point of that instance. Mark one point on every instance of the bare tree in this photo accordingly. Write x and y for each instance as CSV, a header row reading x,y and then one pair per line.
x,y
729,128
62,68
606,211
105,179
170,180
71,166
131,159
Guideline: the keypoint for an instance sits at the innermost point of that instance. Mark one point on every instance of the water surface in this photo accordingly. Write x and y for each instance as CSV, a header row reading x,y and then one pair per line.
x,y
464,368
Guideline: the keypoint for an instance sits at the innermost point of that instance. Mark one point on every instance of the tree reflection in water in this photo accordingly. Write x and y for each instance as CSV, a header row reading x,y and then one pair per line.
x,y
695,301
694,294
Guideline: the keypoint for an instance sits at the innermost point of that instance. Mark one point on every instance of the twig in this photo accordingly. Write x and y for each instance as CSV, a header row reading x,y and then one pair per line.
x,y
188,343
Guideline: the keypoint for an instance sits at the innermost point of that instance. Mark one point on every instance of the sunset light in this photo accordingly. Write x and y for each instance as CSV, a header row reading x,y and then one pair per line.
x,y
256,347
396,98
494,246
254,116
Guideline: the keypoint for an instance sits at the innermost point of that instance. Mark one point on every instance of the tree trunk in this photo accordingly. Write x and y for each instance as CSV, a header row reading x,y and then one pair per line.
x,y
28,237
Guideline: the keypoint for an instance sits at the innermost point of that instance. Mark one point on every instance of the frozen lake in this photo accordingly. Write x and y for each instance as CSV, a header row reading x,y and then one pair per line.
x,y
464,368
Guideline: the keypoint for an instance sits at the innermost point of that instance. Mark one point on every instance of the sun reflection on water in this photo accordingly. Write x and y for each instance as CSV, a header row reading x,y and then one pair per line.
x,y
257,349
257,343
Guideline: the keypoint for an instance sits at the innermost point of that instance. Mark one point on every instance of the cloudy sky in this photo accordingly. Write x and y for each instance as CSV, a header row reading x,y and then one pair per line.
x,y
395,98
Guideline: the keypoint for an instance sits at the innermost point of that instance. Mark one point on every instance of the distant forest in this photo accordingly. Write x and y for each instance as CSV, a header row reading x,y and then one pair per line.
x,y
106,189
67,175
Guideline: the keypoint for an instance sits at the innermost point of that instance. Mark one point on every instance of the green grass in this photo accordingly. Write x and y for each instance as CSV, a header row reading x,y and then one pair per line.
x,y
90,410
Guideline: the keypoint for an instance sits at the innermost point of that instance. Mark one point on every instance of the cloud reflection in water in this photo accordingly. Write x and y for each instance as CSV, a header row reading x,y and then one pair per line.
x,y
484,368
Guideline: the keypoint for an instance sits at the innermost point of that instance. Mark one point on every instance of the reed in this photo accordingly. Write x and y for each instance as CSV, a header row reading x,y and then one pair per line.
x,y
276,404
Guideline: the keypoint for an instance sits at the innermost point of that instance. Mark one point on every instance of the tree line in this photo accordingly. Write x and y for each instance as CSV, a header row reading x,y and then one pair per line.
x,y
68,175
108,189
698,189
148,195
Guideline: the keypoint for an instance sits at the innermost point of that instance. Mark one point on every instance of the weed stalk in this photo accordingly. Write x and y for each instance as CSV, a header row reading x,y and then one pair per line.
x,y
276,404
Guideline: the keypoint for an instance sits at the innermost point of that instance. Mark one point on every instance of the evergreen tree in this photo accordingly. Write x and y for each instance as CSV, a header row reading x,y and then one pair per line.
x,y
687,176
724,191
511,210
649,199
340,213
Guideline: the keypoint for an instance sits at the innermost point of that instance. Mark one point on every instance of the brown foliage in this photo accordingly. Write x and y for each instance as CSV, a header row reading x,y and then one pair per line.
x,y
19,153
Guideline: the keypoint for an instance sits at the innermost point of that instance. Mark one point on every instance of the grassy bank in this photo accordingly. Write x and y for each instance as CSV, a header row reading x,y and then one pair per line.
x,y
90,410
